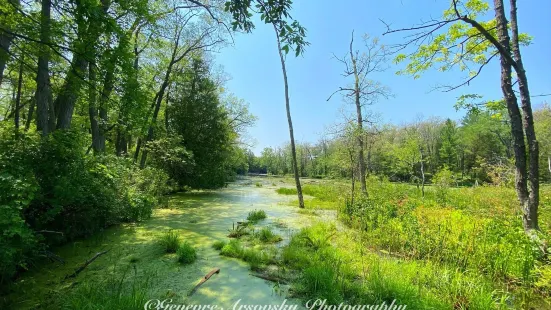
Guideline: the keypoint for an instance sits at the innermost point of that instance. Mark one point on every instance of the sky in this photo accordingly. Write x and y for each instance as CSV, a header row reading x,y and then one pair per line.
x,y
255,70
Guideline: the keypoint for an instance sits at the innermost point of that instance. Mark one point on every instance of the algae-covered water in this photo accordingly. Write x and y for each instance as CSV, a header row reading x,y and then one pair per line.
x,y
200,218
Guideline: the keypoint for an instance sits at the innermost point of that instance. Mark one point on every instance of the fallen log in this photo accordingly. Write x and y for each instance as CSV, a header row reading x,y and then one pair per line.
x,y
88,262
204,279
269,278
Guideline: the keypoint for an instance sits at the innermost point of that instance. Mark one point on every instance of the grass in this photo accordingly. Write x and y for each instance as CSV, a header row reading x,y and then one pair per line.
x,y
266,235
218,245
258,184
286,191
454,248
238,231
337,267
255,257
170,241
116,292
186,253
256,216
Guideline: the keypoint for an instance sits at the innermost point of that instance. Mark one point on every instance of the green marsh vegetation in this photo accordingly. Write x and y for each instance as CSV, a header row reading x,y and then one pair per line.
x,y
101,122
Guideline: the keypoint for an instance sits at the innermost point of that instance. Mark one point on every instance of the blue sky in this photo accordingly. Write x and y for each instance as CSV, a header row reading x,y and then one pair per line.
x,y
255,70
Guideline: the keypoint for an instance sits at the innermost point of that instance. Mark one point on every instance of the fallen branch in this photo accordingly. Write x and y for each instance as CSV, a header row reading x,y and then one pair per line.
x,y
52,256
88,262
269,278
204,279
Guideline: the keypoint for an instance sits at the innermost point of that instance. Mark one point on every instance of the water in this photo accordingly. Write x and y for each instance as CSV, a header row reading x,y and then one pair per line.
x,y
200,218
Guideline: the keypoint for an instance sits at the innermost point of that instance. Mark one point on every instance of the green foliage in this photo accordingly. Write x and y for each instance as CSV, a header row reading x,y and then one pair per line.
x,y
266,235
478,232
291,34
256,216
238,231
218,245
286,191
124,292
170,241
202,137
258,184
186,253
51,185
256,258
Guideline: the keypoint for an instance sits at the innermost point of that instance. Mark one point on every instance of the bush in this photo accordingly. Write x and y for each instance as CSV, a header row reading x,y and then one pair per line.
x,y
51,184
186,253
170,241
256,215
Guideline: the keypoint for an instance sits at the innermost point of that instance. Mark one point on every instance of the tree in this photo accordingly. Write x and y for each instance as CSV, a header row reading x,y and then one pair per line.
x,y
469,41
364,90
289,36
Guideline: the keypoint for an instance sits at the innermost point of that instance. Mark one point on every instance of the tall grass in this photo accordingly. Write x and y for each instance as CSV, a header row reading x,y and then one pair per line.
x,y
117,292
256,216
170,241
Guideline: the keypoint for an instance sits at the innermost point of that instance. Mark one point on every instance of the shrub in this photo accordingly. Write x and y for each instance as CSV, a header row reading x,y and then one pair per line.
x,y
51,184
256,215
258,184
186,253
170,241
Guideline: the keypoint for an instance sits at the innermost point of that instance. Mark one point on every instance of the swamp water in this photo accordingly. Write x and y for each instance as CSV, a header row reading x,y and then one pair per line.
x,y
200,218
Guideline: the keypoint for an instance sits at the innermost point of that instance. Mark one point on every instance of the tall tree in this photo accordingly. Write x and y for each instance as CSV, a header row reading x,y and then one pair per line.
x,y
364,90
470,41
290,35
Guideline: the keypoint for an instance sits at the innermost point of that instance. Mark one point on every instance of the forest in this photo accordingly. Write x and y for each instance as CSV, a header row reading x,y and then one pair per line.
x,y
128,175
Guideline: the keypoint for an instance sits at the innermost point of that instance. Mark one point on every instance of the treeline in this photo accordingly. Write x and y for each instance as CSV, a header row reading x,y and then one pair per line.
x,y
476,149
105,107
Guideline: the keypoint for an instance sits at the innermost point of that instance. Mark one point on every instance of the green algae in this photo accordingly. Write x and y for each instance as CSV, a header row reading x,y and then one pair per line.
x,y
200,218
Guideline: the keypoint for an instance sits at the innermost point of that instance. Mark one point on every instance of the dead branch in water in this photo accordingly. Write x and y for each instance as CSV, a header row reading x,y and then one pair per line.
x,y
204,279
88,262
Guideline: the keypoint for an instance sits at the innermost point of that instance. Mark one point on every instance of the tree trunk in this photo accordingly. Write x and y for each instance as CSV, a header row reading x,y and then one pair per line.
x,y
5,43
290,121
65,101
361,158
531,212
517,132
43,90
422,173
92,108
30,113
159,99
18,97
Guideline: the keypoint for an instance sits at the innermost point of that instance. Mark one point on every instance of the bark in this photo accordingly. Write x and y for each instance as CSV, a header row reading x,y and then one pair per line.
x,y
65,101
519,147
88,37
18,97
159,99
290,121
30,114
530,218
43,90
92,108
5,43
108,85
359,119
422,173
